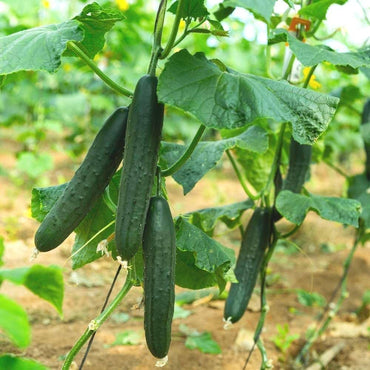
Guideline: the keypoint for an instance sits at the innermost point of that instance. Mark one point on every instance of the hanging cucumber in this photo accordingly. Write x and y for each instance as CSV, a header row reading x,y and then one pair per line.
x,y
255,241
299,164
366,119
159,250
87,184
143,137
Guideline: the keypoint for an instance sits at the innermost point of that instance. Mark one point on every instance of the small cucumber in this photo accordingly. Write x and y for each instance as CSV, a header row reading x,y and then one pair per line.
x,y
87,184
159,251
143,137
254,243
299,164
366,119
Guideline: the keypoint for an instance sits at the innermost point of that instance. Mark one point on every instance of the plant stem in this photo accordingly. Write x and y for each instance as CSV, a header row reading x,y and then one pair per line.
x,y
264,305
265,361
102,309
309,75
275,162
98,322
331,310
157,39
289,67
175,27
114,86
189,151
240,177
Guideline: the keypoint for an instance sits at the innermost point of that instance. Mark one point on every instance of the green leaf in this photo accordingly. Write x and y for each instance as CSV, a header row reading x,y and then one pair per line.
x,y
190,296
261,9
310,55
207,218
45,282
201,261
181,313
34,164
310,299
294,207
208,153
43,200
318,9
203,342
127,338
14,322
96,22
359,189
221,99
11,362
191,9
37,48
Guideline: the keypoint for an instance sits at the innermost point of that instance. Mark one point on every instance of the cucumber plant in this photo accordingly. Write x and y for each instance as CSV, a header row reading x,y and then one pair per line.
x,y
254,116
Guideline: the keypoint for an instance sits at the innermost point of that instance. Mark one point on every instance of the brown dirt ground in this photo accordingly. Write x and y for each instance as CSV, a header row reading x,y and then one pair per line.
x,y
311,270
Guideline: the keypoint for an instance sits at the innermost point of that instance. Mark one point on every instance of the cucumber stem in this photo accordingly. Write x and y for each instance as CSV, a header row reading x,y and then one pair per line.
x,y
98,322
175,28
189,151
240,176
114,86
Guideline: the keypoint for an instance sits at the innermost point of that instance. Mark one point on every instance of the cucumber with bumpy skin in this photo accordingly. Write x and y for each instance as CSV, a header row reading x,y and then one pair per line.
x,y
159,251
366,119
299,164
143,137
87,184
254,243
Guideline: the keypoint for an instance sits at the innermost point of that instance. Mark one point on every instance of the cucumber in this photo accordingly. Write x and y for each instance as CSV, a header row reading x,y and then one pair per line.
x,y
87,184
299,164
254,243
143,137
366,119
159,251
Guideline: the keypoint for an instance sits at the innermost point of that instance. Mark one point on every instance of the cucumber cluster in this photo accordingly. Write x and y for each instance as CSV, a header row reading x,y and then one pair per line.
x,y
132,134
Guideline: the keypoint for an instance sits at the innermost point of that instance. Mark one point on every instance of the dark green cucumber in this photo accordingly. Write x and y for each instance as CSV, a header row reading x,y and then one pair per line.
x,y
159,251
299,164
143,137
366,119
87,184
255,241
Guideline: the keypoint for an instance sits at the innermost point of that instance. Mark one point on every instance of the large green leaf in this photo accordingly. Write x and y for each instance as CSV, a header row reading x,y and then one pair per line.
x,y
318,9
191,8
14,322
294,207
207,218
201,261
45,282
221,99
208,153
310,55
359,188
43,200
11,362
96,22
37,48
261,9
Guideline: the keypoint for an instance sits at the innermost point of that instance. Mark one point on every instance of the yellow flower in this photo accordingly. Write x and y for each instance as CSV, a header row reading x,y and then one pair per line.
x,y
46,4
182,25
122,4
67,67
313,82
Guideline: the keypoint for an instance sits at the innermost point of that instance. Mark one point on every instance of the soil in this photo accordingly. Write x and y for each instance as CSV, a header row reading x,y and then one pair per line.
x,y
311,269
